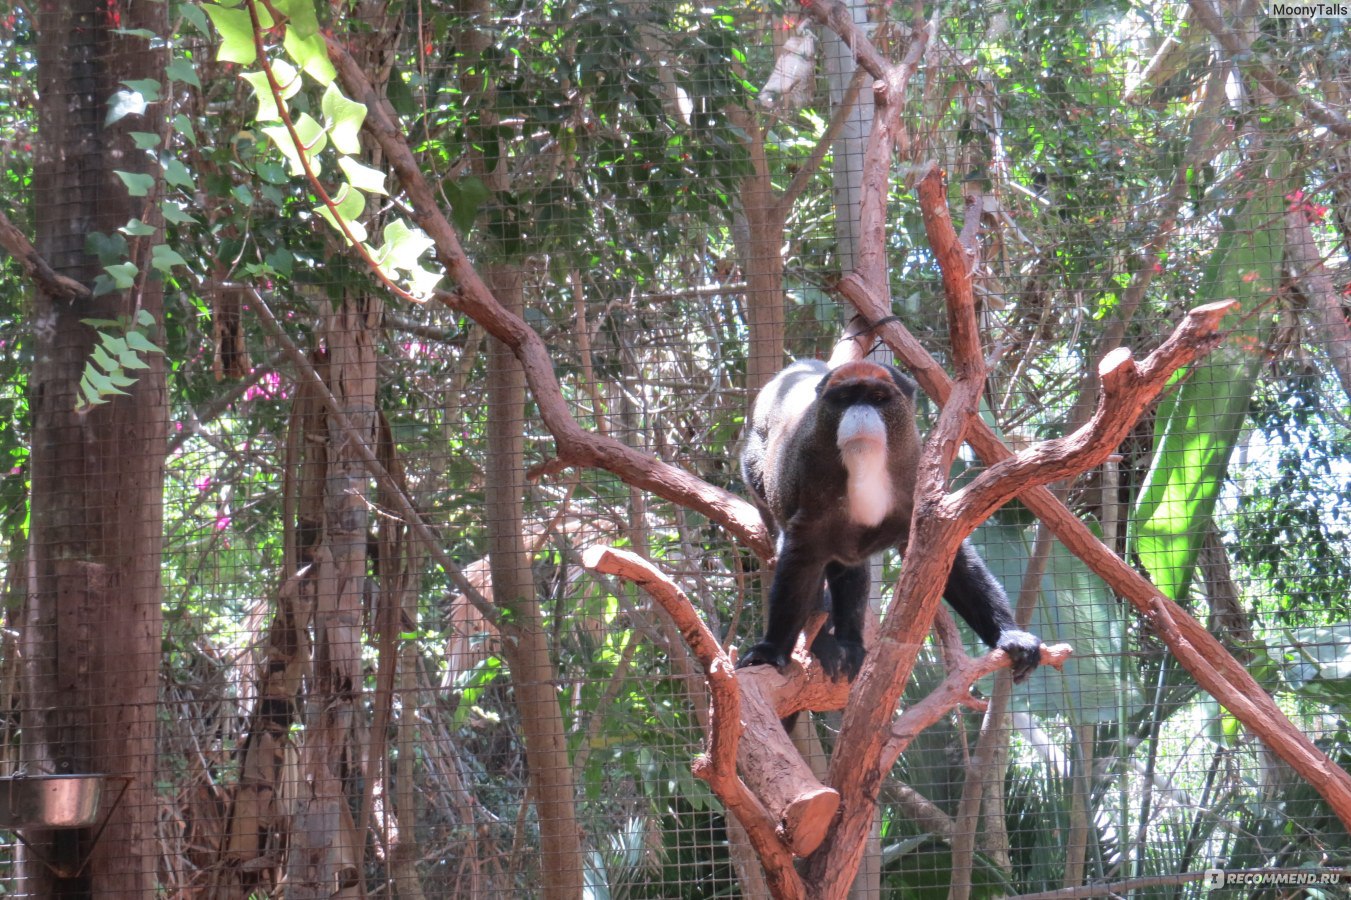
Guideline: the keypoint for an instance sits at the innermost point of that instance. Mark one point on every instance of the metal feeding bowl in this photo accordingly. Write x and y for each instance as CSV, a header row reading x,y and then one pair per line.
x,y
50,801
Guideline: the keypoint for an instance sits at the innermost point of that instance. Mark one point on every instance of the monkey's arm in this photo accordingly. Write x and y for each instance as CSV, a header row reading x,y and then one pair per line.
x,y
977,597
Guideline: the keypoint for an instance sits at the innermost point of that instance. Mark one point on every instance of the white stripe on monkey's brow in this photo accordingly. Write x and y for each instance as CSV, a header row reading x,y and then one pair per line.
x,y
862,439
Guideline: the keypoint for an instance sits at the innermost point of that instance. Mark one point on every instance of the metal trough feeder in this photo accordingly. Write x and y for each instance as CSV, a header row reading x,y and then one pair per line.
x,y
50,801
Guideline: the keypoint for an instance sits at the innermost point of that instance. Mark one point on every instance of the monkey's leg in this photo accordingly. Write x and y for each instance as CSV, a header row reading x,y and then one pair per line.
x,y
978,598
794,594
839,649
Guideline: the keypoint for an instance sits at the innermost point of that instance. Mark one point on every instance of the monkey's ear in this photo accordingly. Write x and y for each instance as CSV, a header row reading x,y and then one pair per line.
x,y
903,381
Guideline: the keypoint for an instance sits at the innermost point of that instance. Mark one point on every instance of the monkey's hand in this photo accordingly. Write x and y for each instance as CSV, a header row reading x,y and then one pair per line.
x,y
764,654
1024,650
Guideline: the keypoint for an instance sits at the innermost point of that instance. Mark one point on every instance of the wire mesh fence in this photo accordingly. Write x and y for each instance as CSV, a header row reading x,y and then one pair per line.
x,y
338,340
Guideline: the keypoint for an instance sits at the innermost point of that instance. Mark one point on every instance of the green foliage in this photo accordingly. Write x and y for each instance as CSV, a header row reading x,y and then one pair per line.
x,y
1199,422
121,345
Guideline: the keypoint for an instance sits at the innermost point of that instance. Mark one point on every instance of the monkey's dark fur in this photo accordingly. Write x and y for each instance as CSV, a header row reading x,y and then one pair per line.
x,y
813,430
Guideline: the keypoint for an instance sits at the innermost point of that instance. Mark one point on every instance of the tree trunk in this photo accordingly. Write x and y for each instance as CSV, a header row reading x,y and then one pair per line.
x,y
325,853
91,640
525,644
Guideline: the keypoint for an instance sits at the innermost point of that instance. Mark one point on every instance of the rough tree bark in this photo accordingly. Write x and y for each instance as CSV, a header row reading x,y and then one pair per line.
x,y
91,640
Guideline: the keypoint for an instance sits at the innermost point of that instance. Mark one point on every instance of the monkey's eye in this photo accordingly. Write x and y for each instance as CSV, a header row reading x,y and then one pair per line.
x,y
877,398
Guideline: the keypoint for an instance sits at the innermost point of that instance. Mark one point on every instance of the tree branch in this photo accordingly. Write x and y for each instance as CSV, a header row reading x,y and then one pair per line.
x,y
575,445
37,268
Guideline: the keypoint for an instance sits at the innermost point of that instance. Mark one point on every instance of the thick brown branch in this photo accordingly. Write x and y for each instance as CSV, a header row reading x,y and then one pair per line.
x,y
472,297
35,267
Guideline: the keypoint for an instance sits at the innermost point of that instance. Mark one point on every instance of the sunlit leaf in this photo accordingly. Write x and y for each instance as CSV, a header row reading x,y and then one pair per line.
x,y
362,177
344,119
236,32
311,54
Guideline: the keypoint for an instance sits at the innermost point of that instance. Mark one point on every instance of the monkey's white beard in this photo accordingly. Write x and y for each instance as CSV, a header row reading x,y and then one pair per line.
x,y
862,439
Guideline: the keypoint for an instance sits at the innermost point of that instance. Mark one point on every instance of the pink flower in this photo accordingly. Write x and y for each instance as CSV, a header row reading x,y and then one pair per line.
x,y
202,484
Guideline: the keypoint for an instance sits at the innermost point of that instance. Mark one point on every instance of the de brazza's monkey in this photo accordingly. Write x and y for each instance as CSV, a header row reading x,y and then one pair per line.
x,y
830,459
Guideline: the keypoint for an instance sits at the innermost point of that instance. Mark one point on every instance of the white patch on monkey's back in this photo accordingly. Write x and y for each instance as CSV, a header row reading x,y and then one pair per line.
x,y
862,439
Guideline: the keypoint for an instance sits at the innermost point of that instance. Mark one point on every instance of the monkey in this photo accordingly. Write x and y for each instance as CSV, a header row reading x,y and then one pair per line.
x,y
830,459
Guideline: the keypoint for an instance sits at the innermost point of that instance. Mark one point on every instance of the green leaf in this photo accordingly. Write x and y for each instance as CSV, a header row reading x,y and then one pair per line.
x,y
140,343
312,138
144,318
299,15
138,185
193,13
175,214
100,356
178,175
122,274
403,246
163,257
101,385
344,119
363,177
148,88
180,68
1198,424
183,126
311,54
350,204
130,360
288,83
137,228
236,32
466,195
144,140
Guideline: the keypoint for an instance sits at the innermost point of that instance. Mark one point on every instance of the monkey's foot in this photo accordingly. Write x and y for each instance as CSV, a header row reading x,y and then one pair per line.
x,y
1024,650
764,654
838,657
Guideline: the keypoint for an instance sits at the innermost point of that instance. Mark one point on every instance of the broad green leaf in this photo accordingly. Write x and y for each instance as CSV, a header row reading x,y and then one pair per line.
x,y
140,343
180,68
148,88
1198,423
403,246
299,15
466,195
145,140
311,54
288,82
138,185
175,214
183,126
163,257
122,274
312,139
100,356
130,360
350,204
344,119
101,384
236,32
144,318
177,174
363,177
